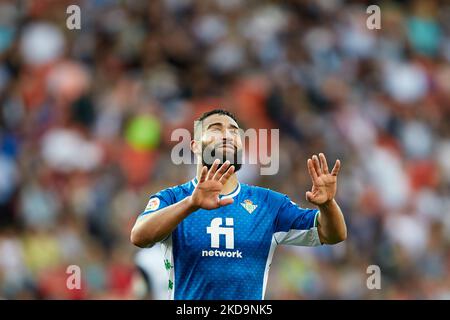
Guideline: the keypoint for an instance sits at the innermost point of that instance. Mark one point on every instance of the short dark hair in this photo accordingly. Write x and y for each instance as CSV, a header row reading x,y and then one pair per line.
x,y
217,111
198,122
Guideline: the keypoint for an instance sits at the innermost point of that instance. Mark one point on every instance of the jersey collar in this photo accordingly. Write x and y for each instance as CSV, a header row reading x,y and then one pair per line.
x,y
232,194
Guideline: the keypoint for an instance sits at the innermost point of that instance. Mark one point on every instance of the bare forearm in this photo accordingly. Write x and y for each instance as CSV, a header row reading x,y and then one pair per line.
x,y
331,223
155,227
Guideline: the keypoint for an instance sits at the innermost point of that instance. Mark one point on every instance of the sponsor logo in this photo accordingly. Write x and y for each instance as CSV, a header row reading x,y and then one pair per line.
x,y
222,253
216,230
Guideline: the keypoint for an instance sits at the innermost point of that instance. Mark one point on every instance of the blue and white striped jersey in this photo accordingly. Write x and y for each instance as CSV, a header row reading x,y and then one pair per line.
x,y
226,253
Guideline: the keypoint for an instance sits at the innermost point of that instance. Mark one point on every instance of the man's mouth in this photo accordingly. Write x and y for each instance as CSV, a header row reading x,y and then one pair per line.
x,y
228,146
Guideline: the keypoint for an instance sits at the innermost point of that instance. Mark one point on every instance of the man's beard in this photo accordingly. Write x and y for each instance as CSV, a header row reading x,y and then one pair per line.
x,y
212,152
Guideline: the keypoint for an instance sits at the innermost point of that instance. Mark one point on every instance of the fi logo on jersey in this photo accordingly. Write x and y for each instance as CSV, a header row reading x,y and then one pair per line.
x,y
216,230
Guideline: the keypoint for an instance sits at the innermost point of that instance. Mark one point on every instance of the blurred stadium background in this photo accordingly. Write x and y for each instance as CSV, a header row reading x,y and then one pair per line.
x,y
86,117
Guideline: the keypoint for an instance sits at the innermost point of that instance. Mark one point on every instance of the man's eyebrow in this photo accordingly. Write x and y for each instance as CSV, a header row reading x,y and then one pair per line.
x,y
232,125
214,124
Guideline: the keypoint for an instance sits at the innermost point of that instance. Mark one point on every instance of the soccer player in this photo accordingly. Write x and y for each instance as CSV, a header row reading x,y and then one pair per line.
x,y
218,235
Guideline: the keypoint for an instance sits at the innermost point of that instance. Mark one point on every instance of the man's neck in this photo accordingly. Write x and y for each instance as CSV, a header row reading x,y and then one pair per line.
x,y
229,186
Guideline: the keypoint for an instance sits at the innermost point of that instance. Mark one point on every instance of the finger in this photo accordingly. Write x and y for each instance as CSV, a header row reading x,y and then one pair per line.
x,y
317,165
221,170
225,202
227,175
312,171
323,162
213,169
336,168
203,174
309,196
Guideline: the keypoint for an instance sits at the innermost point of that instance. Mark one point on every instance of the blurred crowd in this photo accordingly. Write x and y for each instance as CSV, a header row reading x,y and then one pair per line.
x,y
86,118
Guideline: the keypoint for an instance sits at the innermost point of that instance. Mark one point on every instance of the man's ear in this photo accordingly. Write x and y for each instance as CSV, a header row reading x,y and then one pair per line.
x,y
195,147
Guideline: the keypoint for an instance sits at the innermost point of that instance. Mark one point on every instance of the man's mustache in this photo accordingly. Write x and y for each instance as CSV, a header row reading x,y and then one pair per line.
x,y
214,151
220,145
225,144
217,149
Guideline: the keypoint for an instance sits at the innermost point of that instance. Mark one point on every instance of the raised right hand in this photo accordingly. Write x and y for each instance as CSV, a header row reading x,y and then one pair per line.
x,y
211,183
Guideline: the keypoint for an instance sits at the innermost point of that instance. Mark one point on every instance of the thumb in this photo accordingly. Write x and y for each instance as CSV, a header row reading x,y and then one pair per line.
x,y
225,202
309,196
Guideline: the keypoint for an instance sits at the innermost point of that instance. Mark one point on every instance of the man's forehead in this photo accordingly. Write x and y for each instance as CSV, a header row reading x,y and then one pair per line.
x,y
219,118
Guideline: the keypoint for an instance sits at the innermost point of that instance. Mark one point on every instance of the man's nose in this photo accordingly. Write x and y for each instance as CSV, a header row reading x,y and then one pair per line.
x,y
228,140
228,135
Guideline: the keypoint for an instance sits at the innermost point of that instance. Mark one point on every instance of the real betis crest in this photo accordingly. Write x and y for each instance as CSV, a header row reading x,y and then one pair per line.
x,y
249,206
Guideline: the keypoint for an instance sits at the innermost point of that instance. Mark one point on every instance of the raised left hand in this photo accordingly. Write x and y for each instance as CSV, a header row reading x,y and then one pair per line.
x,y
324,183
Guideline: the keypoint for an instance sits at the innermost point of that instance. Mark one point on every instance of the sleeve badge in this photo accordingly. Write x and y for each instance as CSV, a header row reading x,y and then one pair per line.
x,y
153,204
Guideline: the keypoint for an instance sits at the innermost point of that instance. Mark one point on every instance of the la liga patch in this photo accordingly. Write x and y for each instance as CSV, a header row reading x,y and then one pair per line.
x,y
153,204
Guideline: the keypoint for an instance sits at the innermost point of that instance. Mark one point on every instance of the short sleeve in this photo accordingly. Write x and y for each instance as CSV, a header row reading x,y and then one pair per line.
x,y
158,201
295,225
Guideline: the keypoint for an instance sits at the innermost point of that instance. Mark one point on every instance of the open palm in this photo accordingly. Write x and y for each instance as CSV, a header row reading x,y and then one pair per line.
x,y
324,183
210,184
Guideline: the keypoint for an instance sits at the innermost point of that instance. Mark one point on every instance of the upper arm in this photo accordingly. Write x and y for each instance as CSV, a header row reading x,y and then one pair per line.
x,y
158,201
295,225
